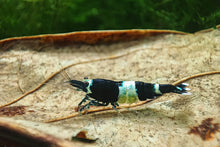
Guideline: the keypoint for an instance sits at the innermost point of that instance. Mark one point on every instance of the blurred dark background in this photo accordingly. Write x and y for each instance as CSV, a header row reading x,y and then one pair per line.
x,y
33,17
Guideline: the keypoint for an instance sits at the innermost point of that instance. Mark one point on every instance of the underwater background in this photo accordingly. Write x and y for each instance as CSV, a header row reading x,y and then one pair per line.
x,y
33,17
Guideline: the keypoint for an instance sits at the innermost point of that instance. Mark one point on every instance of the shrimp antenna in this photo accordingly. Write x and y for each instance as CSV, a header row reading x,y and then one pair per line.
x,y
64,73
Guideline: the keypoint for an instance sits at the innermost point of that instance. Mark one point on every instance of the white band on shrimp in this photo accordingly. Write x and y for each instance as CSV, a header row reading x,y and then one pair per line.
x,y
157,89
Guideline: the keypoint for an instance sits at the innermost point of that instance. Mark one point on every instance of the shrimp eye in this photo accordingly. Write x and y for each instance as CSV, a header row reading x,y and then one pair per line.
x,y
85,78
86,83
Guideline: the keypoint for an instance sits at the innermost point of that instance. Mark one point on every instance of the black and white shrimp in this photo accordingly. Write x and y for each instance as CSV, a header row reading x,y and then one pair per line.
x,y
101,92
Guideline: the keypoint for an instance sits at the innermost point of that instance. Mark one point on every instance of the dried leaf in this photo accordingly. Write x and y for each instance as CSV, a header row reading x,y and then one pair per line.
x,y
81,136
33,66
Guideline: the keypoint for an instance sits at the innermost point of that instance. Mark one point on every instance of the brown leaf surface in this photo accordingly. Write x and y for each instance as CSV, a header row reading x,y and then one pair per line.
x,y
140,55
